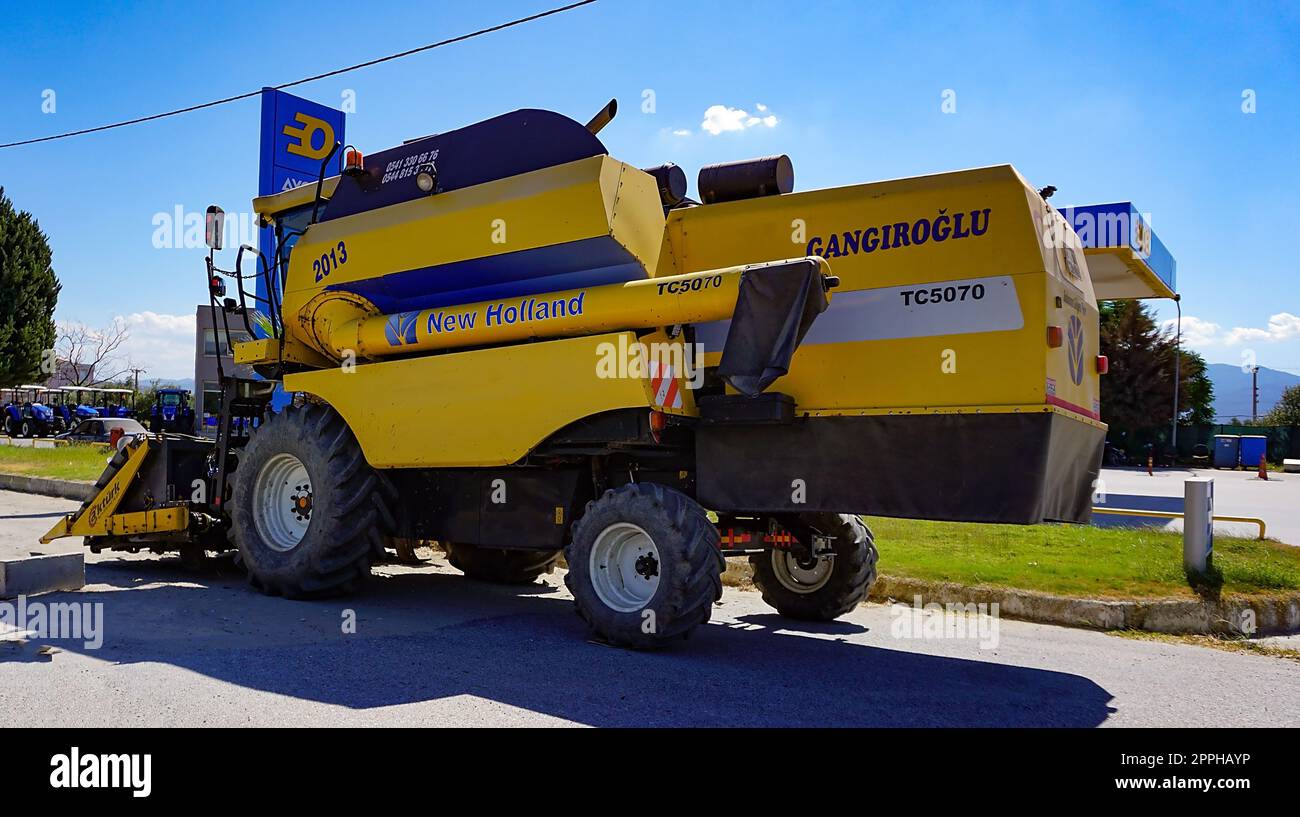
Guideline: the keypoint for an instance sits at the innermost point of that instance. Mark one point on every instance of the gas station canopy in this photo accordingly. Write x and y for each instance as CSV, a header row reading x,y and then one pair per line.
x,y
1125,258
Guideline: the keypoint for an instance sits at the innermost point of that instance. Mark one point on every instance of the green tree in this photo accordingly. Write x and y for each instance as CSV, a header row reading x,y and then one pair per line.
x,y
1195,391
28,292
1287,410
1137,393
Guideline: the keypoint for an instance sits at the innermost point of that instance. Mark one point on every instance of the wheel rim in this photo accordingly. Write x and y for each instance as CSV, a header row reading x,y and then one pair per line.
x,y
801,576
624,567
282,502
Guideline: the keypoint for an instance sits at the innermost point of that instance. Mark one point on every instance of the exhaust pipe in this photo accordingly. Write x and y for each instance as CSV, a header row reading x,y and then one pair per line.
x,y
602,117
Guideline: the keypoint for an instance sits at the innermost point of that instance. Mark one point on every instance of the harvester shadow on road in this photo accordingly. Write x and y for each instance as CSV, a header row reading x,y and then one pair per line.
x,y
430,634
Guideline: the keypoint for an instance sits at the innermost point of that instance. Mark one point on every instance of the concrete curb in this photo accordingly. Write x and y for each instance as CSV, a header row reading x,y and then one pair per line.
x,y
62,488
42,574
1272,615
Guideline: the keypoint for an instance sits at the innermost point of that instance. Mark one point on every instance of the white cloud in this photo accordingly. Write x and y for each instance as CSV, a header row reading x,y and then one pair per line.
x,y
1197,332
761,107
160,343
722,119
1282,326
681,132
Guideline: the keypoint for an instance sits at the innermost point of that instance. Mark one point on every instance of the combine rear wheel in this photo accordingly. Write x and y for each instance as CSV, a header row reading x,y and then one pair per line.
x,y
644,565
501,566
812,588
307,513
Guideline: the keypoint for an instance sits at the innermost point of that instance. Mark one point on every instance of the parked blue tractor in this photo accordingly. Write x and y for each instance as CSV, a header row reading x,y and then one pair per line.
x,y
26,416
171,411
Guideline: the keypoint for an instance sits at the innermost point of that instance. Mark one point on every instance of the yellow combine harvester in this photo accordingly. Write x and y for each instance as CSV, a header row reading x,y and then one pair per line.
x,y
503,339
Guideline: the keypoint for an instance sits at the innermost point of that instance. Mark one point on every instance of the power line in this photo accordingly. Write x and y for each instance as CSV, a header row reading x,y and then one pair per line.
x,y
461,38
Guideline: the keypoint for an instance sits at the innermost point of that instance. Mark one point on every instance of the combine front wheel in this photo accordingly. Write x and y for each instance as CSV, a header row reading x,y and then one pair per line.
x,y
644,565
307,512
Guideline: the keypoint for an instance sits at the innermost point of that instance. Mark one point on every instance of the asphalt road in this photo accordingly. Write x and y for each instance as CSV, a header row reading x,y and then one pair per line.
x,y
434,648
1236,493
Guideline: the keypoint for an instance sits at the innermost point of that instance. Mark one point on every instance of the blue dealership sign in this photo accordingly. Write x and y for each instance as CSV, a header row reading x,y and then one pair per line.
x,y
1120,224
297,134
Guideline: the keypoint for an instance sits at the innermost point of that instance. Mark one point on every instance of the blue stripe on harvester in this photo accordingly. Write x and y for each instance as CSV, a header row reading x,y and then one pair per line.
x,y
585,263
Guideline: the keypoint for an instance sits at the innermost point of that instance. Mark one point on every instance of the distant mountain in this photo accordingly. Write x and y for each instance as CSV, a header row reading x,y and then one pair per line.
x,y
171,382
1232,390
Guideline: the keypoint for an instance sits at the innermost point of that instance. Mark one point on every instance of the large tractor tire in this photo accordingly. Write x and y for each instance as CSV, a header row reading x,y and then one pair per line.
x,y
817,589
644,566
501,566
308,513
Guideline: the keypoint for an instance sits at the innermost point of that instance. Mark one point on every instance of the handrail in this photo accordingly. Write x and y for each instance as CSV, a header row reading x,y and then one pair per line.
x,y
1253,520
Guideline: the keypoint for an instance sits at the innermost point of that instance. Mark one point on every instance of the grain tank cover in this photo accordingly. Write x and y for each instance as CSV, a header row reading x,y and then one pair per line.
x,y
495,148
525,203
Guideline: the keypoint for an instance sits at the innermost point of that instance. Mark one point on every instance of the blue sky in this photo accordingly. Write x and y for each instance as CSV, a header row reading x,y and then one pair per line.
x,y
1106,101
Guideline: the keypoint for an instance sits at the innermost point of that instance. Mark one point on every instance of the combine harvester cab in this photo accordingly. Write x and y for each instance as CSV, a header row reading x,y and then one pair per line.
x,y
502,339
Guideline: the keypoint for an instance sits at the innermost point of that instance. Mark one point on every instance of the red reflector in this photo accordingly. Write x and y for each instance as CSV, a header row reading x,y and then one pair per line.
x,y
1055,336
1103,364
658,422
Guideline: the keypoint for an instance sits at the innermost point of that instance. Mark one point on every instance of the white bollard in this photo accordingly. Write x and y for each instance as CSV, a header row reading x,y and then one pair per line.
x,y
1198,523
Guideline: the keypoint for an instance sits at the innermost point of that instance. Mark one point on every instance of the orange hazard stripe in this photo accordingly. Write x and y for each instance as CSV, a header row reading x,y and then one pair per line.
x,y
670,399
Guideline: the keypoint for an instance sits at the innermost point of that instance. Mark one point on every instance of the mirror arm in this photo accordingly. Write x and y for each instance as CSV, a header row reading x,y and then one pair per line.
x,y
320,180
243,304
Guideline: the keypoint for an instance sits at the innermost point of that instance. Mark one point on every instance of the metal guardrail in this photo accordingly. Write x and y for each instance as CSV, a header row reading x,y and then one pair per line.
x,y
1253,520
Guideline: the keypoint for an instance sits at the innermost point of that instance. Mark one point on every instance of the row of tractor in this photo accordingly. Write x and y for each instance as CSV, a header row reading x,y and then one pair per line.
x,y
33,411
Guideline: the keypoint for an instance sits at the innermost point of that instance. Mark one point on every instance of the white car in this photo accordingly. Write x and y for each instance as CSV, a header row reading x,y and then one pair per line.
x,y
100,430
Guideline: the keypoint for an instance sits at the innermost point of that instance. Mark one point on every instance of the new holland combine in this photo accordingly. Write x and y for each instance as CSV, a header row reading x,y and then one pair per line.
x,y
505,340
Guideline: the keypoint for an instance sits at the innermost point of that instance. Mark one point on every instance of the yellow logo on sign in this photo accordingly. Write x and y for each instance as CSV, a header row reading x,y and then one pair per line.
x,y
306,135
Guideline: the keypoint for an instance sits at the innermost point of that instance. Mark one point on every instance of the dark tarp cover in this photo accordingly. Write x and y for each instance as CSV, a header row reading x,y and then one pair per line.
x,y
776,305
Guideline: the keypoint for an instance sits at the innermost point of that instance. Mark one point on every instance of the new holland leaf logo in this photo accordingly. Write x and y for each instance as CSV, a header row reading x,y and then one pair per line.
x,y
1074,340
400,328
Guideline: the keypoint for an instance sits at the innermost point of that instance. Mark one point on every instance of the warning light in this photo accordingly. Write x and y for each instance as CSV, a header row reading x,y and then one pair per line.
x,y
355,164
1103,364
1055,336
217,286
